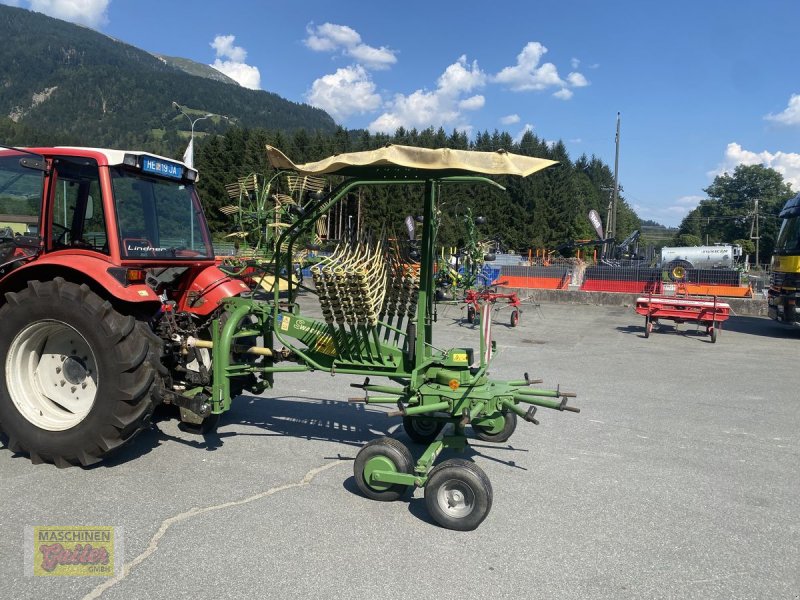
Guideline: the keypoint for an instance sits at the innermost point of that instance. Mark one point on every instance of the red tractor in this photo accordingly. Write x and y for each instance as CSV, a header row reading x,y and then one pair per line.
x,y
106,263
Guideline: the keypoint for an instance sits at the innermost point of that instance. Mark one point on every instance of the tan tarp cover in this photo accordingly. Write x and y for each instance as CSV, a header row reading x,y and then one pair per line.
x,y
488,163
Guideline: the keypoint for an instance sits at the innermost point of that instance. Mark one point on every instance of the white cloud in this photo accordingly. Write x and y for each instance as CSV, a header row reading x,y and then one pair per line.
x,y
527,74
518,138
344,93
510,119
575,63
530,74
689,202
85,12
439,108
473,103
460,77
785,163
671,214
223,45
790,115
329,37
373,58
245,75
231,61
577,80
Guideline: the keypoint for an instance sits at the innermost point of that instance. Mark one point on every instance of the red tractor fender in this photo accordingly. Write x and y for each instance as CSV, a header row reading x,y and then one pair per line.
x,y
79,268
207,289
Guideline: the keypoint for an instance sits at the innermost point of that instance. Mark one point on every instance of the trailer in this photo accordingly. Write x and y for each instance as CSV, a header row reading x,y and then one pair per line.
x,y
706,312
677,260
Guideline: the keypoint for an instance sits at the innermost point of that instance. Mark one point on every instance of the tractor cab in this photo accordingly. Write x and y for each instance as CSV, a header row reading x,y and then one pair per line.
x,y
121,205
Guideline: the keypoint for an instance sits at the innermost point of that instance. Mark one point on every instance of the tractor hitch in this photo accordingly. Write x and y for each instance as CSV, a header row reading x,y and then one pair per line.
x,y
198,404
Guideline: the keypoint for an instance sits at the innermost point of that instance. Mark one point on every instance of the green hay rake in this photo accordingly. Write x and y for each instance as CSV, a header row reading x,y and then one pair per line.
x,y
378,315
260,210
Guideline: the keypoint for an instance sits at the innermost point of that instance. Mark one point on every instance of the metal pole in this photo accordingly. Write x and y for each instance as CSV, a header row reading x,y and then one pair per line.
x,y
758,237
616,183
192,124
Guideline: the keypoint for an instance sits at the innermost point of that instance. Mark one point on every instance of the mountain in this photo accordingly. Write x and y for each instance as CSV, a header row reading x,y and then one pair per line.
x,y
195,68
66,84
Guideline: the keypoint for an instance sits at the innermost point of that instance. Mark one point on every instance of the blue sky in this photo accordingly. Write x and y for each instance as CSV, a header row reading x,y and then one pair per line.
x,y
701,85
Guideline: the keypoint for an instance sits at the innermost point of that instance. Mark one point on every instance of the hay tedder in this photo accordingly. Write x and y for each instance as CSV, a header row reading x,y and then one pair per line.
x,y
119,305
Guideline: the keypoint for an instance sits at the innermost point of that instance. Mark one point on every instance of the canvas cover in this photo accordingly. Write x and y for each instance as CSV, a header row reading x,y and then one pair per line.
x,y
441,159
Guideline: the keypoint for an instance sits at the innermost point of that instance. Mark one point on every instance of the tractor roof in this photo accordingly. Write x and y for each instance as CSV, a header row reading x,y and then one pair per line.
x,y
442,160
103,156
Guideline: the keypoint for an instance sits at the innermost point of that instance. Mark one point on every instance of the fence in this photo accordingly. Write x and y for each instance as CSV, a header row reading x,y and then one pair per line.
x,y
631,279
625,276
552,276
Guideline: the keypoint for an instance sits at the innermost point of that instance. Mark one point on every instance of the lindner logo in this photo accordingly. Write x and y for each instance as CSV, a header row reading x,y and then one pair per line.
x,y
71,551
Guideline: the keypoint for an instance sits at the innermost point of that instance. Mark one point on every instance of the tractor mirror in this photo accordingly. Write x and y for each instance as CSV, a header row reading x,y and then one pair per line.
x,y
35,162
480,220
89,208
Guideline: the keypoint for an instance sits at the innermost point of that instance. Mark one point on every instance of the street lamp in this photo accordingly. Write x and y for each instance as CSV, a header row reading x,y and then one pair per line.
x,y
188,156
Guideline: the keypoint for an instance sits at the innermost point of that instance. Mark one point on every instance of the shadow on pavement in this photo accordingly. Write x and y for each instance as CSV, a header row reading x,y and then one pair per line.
x,y
352,424
761,326
689,330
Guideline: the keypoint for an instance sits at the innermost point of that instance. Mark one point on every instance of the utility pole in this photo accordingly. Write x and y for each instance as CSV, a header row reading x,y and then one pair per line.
x,y
616,185
758,237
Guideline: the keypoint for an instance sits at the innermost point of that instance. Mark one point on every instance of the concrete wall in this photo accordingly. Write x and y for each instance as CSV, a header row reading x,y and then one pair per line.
x,y
739,306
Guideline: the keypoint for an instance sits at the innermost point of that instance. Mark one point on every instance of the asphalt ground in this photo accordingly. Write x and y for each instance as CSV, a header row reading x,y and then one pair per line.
x,y
678,479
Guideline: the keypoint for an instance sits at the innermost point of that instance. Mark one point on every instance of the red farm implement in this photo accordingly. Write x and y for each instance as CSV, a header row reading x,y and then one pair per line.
x,y
474,299
706,312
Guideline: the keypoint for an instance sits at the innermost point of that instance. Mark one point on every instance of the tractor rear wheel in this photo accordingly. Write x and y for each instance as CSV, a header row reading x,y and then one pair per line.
x,y
79,375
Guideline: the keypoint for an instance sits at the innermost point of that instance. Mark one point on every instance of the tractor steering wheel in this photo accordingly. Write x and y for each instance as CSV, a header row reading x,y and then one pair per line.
x,y
61,238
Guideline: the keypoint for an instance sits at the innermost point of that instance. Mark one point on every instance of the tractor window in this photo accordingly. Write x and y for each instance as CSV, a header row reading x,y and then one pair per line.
x,y
20,197
159,218
78,219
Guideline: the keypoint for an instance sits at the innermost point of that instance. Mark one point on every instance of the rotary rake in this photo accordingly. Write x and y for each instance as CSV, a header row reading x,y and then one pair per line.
x,y
377,321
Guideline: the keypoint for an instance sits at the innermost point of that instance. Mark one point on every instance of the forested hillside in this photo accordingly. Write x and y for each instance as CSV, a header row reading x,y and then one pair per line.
x,y
540,211
65,84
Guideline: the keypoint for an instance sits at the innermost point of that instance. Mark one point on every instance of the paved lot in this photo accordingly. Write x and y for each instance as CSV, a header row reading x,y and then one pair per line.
x,y
679,479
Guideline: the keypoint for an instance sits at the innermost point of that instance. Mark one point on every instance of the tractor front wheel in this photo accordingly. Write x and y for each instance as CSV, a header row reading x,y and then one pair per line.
x,y
458,495
79,375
